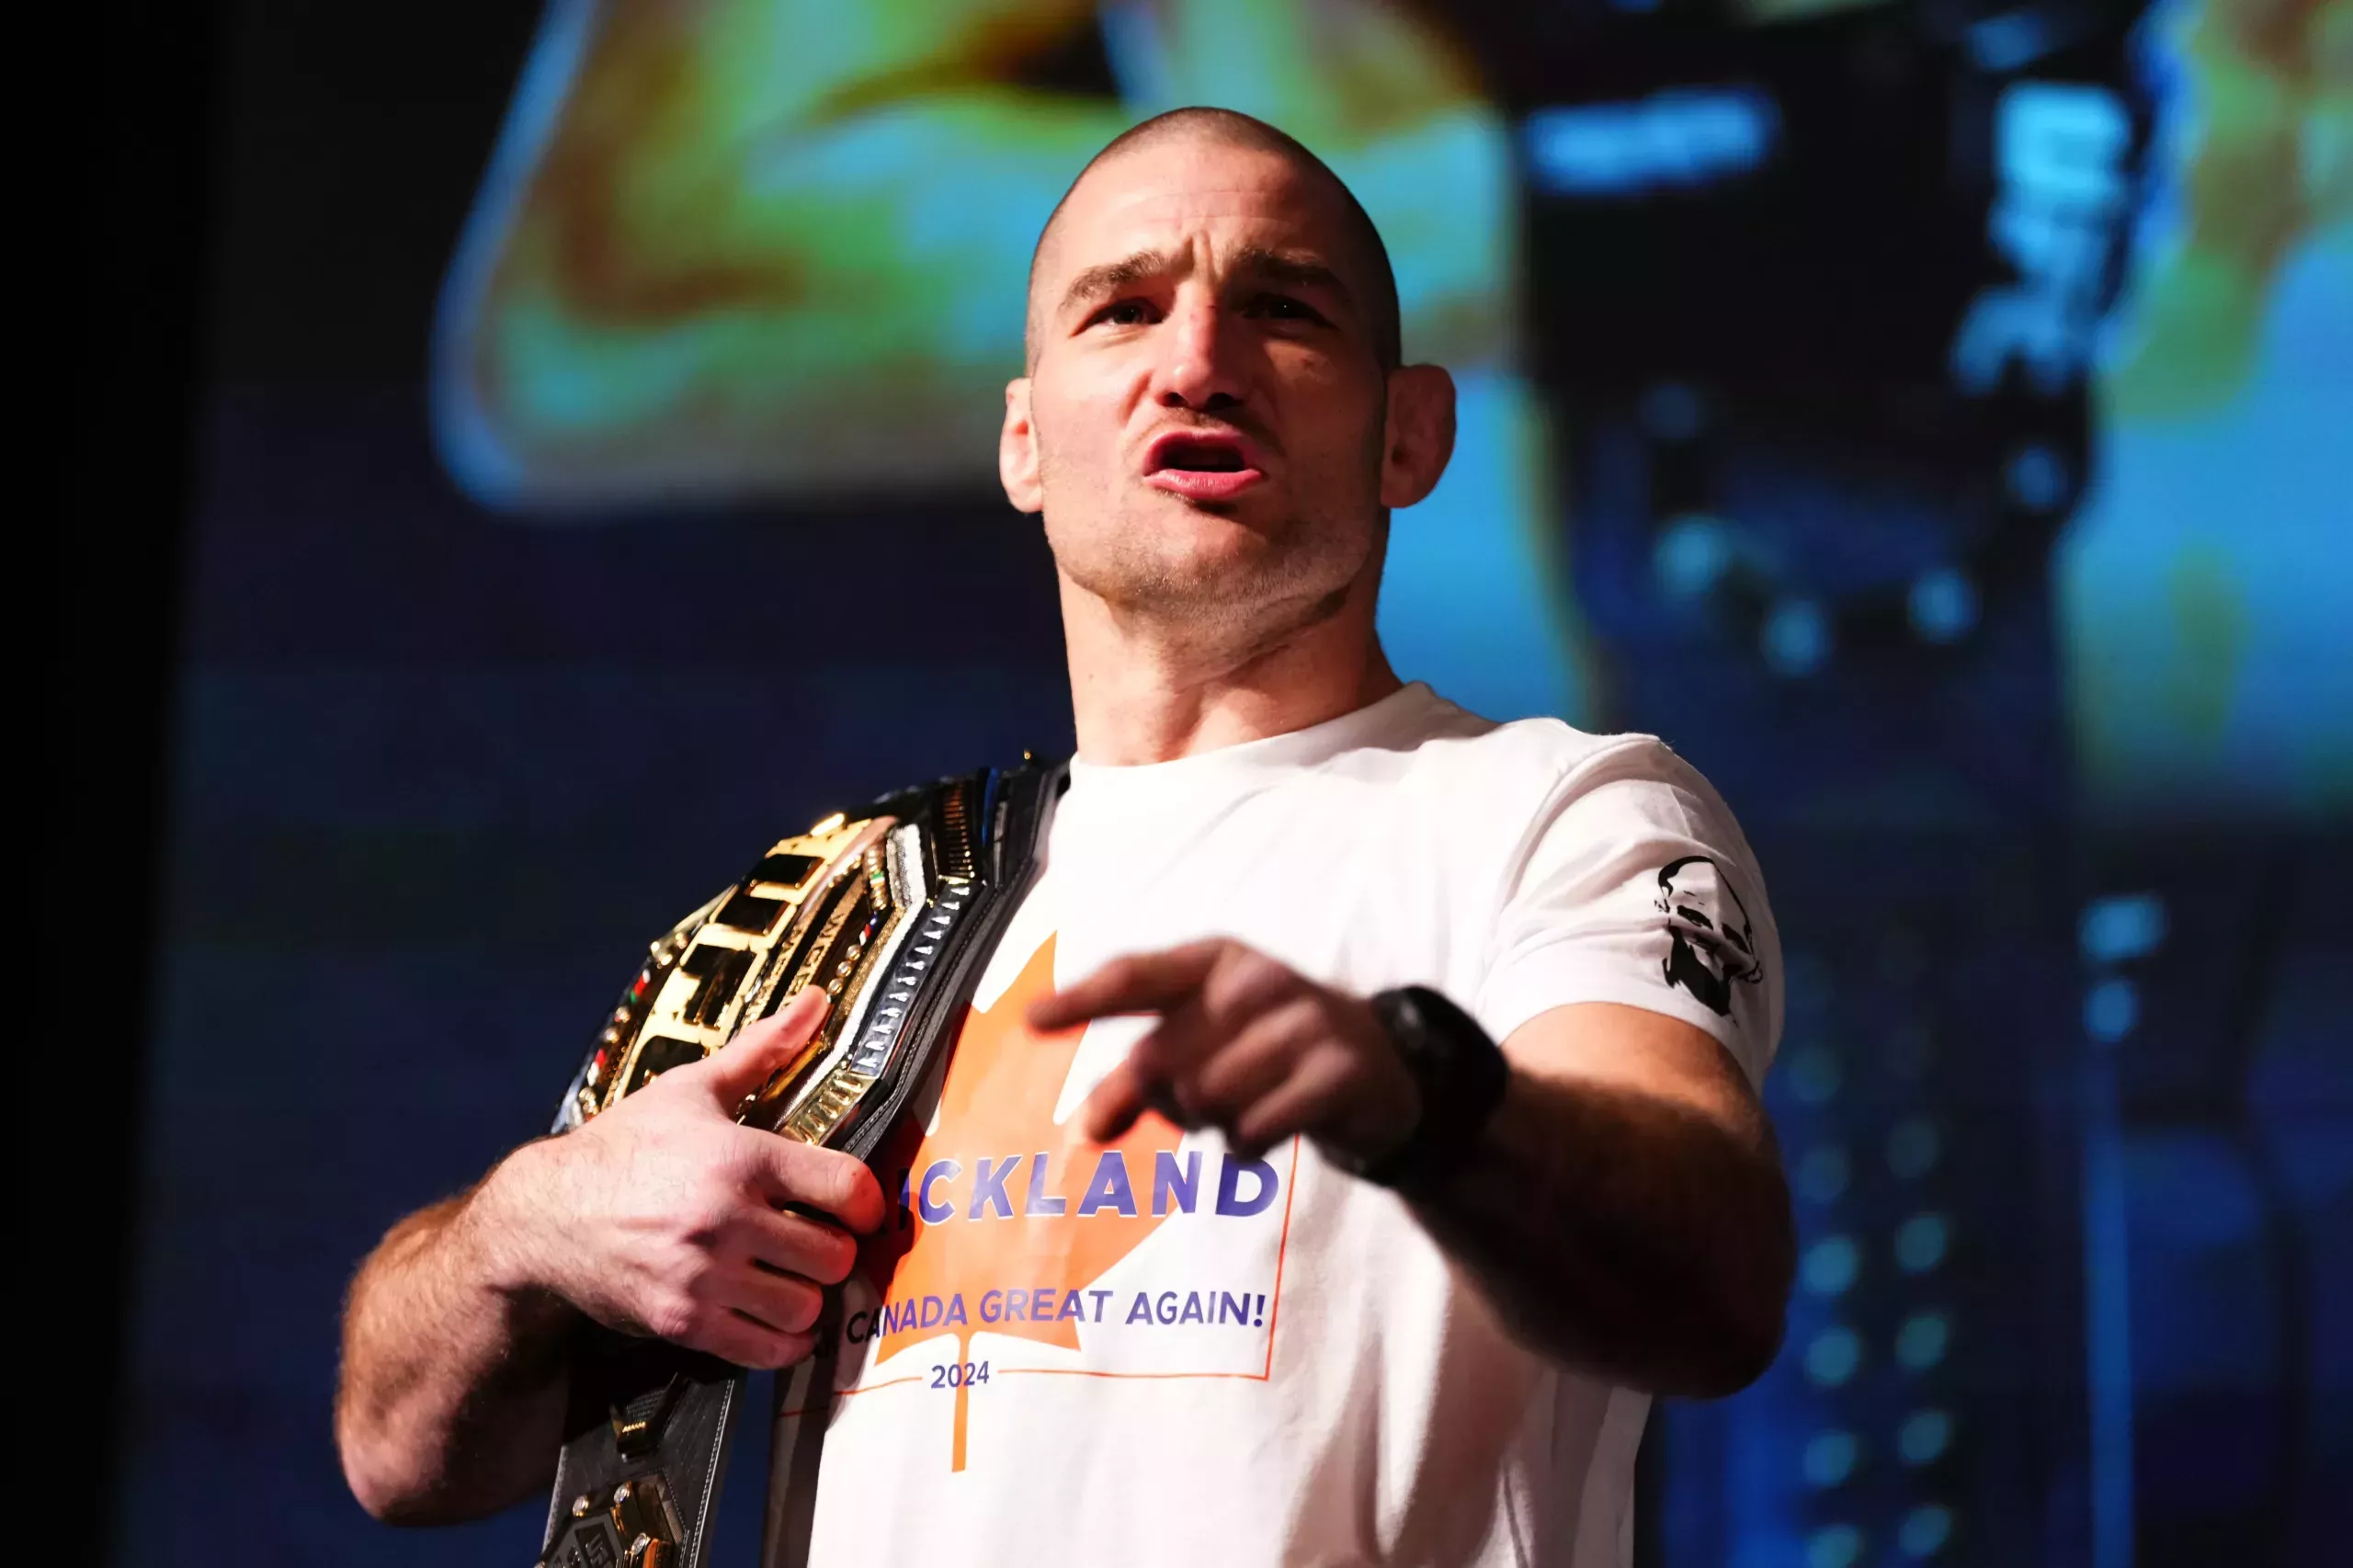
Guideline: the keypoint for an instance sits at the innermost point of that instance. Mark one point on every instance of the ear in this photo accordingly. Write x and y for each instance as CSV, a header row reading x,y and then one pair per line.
x,y
1419,438
1016,450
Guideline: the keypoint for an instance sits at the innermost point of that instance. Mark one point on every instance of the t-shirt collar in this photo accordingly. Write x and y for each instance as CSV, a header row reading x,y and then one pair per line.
x,y
1251,762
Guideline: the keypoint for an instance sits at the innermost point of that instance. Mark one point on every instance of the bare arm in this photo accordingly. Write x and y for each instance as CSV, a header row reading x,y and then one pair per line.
x,y
452,1390
1626,1211
660,1217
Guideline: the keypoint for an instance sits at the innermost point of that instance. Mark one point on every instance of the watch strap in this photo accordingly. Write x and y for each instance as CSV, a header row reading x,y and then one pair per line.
x,y
1460,1074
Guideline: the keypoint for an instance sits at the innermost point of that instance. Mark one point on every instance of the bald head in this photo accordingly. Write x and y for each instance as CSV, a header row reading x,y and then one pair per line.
x,y
1363,255
1214,426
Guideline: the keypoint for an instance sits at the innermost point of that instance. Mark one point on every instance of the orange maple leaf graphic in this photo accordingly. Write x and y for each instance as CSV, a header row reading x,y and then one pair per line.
x,y
1049,1225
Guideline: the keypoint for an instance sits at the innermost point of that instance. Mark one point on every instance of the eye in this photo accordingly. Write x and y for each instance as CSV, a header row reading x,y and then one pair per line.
x,y
1123,313
1285,307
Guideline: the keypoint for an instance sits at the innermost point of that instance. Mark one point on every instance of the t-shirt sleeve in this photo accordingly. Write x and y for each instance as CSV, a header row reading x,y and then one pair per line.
x,y
1632,884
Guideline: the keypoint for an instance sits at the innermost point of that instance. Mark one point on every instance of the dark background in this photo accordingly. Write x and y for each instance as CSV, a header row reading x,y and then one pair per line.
x,y
373,794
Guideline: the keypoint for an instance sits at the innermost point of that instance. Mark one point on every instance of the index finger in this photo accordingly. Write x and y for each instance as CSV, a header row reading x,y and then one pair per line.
x,y
1141,983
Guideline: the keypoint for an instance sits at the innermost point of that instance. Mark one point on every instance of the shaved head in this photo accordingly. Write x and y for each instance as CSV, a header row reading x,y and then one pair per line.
x,y
1214,423
1366,256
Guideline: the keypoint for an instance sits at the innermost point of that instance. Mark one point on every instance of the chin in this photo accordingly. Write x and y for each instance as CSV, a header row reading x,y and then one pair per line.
x,y
1173,576
1157,551
1166,536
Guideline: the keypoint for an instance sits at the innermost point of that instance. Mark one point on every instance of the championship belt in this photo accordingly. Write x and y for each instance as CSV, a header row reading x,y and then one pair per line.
x,y
893,916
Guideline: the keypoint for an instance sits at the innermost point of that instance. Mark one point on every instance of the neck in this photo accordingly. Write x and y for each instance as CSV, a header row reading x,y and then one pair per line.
x,y
1149,687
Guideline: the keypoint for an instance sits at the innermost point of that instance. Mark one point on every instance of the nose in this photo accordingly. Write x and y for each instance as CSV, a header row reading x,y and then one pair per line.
x,y
1199,368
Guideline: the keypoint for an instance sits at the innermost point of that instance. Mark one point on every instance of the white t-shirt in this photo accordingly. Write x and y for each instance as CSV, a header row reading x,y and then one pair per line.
x,y
1155,1353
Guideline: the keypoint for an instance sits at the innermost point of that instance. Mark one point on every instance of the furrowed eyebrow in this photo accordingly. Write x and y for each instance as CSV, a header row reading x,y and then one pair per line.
x,y
1274,267
1112,277
1255,263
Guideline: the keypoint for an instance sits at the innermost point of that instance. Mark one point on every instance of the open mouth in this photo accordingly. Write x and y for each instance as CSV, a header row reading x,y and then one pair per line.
x,y
1202,466
1205,456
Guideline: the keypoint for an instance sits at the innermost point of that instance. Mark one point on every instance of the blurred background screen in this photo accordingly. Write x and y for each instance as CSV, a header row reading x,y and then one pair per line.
x,y
1931,418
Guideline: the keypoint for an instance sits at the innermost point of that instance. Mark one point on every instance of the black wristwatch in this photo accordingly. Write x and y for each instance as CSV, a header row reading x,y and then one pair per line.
x,y
1460,1074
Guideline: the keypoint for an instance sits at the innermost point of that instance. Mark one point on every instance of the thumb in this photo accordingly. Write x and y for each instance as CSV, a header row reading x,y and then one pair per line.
x,y
736,1070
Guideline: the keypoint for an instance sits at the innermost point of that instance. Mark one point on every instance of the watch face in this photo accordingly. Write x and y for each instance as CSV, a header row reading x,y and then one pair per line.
x,y
1440,1047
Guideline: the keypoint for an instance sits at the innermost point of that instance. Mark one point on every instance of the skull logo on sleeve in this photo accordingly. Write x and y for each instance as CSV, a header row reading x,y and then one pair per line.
x,y
1711,943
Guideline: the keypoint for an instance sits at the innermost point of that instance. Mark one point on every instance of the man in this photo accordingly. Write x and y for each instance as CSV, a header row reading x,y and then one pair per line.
x,y
1204,1253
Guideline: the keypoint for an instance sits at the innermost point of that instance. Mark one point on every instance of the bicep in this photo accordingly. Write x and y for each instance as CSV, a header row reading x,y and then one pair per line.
x,y
1392,102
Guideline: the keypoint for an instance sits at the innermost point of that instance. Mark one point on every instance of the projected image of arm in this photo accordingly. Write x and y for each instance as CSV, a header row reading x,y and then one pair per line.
x,y
767,245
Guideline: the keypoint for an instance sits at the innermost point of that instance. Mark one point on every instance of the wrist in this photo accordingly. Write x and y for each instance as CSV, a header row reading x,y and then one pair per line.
x,y
502,1225
1459,1076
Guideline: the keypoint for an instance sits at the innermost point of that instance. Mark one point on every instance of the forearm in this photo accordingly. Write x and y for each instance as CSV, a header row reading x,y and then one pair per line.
x,y
663,1216
450,1403
1625,1232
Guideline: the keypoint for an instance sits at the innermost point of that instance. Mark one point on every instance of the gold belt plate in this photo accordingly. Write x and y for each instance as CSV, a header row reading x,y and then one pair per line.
x,y
823,908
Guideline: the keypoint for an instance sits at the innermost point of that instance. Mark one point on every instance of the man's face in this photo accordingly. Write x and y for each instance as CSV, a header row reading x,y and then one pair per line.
x,y
1206,403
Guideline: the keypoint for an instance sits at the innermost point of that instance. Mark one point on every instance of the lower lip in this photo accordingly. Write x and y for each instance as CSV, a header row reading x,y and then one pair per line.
x,y
1203,484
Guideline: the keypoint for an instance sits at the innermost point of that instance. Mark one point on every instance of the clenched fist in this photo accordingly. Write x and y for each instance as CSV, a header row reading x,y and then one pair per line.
x,y
664,1216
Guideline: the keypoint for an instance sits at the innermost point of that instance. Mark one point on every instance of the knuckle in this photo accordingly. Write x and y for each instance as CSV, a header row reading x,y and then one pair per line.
x,y
744,1153
696,1268
1255,983
826,1178
707,1219
777,1162
671,1314
1246,1072
1302,1020
809,1173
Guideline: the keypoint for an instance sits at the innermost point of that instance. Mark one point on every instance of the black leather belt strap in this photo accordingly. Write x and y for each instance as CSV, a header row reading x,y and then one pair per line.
x,y
1029,808
895,915
798,1453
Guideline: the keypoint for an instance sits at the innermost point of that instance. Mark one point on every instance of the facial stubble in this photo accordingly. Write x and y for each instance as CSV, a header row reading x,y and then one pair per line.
x,y
1300,572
